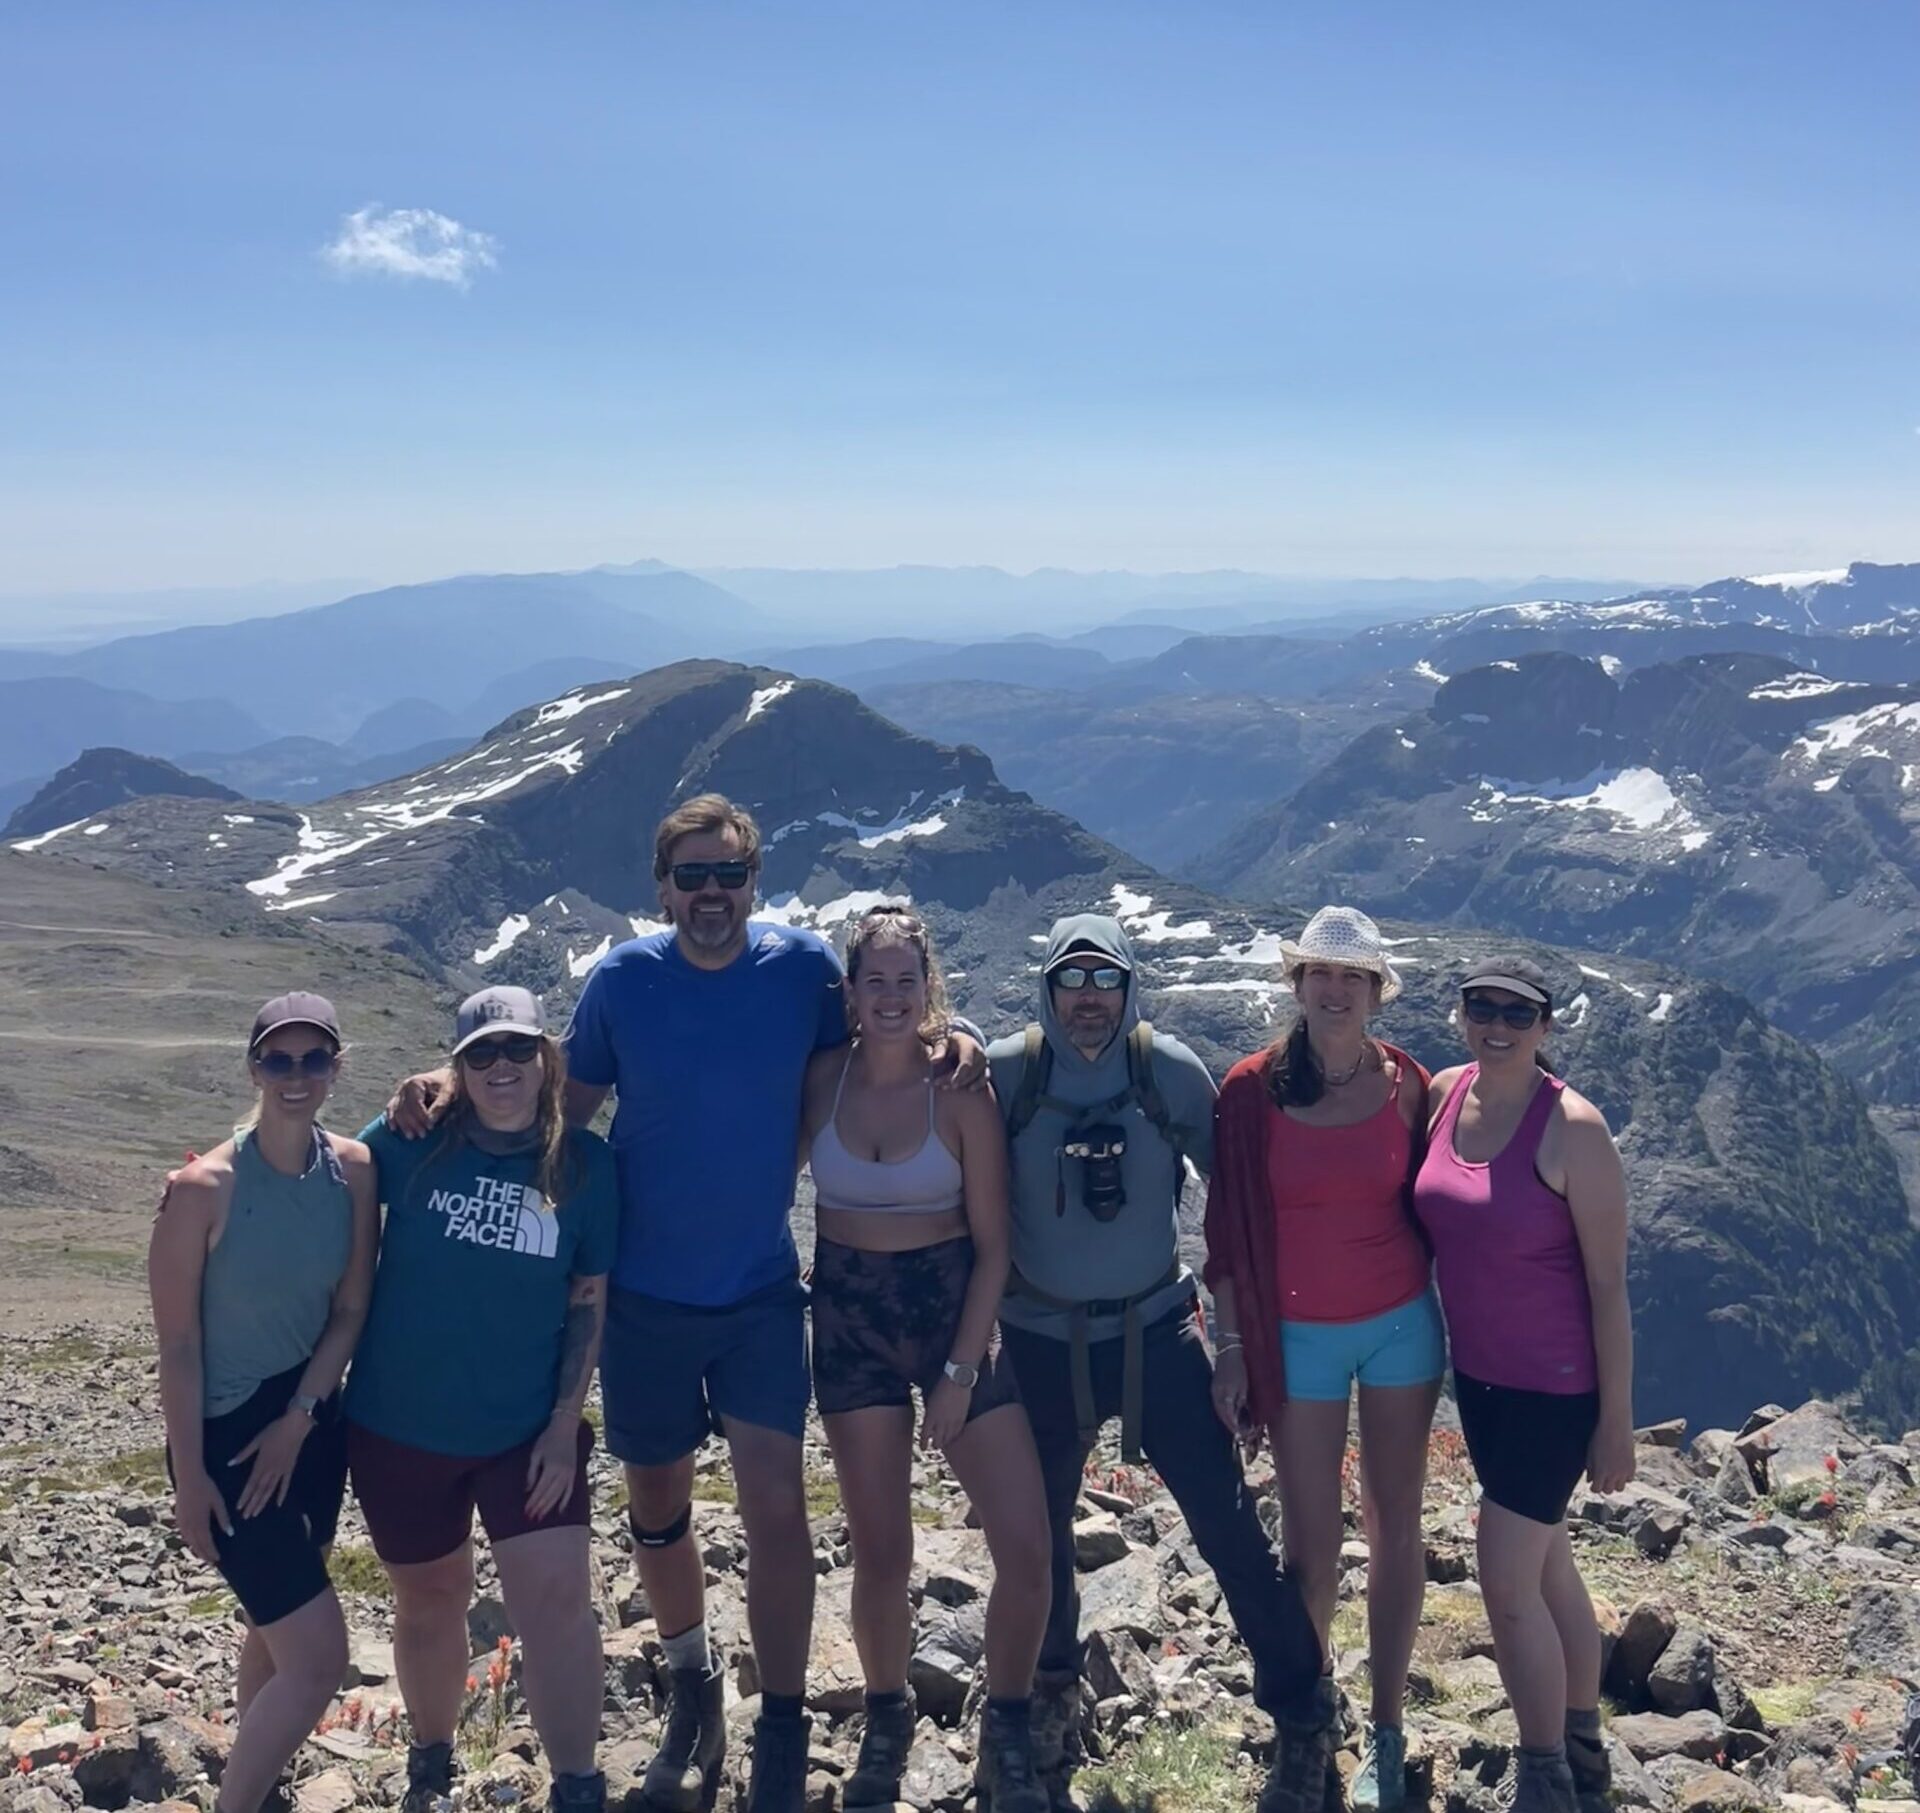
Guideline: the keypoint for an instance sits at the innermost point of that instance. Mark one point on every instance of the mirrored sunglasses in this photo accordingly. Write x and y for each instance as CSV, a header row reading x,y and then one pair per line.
x,y
1077,976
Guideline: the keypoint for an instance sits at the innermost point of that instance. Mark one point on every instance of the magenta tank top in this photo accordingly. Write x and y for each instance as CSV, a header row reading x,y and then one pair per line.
x,y
1506,1257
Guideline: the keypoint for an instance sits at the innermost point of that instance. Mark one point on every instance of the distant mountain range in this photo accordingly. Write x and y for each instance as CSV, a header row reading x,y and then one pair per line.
x,y
1761,819
526,857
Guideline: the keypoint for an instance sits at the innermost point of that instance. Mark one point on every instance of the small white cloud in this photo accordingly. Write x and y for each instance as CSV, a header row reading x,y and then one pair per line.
x,y
410,242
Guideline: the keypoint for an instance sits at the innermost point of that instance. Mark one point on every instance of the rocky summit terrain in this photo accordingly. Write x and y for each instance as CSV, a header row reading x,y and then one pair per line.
x,y
97,779
1759,1587
1761,818
1772,1236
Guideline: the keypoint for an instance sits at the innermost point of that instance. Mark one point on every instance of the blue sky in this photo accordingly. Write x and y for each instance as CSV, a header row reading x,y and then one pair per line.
x,y
1418,289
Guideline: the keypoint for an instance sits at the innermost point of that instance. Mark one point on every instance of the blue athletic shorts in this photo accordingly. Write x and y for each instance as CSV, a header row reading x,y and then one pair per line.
x,y
670,1373
1406,1346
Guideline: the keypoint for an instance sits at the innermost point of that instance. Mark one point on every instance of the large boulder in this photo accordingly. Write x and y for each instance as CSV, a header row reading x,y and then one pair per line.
x,y
1885,1634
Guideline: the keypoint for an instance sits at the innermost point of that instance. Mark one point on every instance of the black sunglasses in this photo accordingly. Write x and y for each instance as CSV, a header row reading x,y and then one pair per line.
x,y
691,877
1076,976
316,1062
1520,1015
516,1048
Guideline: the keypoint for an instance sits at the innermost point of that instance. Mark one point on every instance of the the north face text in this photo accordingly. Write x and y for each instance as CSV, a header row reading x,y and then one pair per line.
x,y
510,1217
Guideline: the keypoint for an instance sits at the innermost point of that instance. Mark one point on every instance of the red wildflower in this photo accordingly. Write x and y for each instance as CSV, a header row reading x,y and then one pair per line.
x,y
505,1646
1858,1716
1832,1463
472,1685
25,1765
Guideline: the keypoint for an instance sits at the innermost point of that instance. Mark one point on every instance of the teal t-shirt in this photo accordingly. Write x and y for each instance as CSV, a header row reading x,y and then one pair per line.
x,y
461,1351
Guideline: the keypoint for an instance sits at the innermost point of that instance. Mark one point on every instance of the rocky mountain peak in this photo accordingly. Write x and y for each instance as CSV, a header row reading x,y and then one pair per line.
x,y
99,779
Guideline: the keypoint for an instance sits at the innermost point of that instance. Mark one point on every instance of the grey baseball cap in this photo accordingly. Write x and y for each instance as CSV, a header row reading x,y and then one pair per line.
x,y
296,1009
495,1010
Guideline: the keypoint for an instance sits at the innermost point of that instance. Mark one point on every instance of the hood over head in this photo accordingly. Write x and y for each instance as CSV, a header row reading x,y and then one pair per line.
x,y
1096,933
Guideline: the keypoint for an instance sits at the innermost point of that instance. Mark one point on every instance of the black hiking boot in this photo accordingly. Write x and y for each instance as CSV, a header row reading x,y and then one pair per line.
x,y
1005,1780
778,1783
882,1763
429,1777
1057,1749
1303,1740
578,1793
1588,1760
684,1776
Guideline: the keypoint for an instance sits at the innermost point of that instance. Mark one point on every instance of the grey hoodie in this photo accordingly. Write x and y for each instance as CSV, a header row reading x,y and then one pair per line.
x,y
1072,1255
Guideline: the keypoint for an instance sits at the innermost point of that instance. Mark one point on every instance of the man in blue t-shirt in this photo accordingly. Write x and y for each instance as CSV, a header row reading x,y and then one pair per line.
x,y
703,1033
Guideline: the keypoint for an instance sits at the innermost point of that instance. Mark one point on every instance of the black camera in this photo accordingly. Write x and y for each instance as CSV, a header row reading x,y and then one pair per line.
x,y
1100,1150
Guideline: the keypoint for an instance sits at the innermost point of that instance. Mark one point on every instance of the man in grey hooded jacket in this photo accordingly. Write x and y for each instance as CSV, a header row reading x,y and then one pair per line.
x,y
1101,1318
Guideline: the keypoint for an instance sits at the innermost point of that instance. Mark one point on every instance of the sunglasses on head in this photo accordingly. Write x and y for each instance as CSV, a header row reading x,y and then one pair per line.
x,y
1483,1011
516,1048
691,877
1077,976
318,1061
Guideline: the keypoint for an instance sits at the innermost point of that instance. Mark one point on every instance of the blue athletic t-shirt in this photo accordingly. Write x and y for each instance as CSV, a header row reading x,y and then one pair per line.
x,y
709,1067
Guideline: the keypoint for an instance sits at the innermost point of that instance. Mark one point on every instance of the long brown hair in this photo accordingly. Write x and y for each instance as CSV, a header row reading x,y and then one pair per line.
x,y
1294,1076
882,926
556,1175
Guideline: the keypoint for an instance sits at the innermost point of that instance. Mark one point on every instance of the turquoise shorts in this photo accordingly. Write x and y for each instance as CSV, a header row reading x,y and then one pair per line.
x,y
1406,1346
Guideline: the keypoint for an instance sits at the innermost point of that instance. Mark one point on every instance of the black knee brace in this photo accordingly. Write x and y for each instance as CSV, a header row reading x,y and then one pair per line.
x,y
661,1539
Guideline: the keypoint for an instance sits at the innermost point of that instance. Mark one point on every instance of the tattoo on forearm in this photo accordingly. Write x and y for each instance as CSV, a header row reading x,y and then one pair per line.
x,y
576,1349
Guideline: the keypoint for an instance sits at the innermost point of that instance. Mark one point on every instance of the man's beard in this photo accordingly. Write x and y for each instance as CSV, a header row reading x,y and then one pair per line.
x,y
709,930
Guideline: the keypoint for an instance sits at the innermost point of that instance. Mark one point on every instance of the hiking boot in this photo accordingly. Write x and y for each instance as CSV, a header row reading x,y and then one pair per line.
x,y
684,1777
1005,1780
1056,1726
778,1783
882,1763
1302,1762
1543,1783
429,1777
1381,1784
578,1793
1590,1764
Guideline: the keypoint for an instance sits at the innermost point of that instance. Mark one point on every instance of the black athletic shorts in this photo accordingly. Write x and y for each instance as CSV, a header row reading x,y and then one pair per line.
x,y
275,1560
1529,1448
883,1324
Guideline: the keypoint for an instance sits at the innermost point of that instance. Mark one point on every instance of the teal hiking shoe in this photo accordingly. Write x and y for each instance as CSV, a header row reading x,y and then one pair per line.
x,y
1381,1785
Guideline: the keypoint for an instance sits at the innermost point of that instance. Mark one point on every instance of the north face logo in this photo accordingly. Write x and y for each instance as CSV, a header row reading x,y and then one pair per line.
x,y
509,1217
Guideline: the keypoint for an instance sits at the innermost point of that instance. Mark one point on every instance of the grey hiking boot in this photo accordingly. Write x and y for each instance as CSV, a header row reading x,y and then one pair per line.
x,y
1587,1758
1302,1759
882,1762
578,1793
1543,1783
778,1783
1381,1784
1005,1780
429,1777
684,1777
1057,1749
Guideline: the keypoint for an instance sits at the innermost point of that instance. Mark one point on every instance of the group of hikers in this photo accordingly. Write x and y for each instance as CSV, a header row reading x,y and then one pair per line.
x,y
998,1233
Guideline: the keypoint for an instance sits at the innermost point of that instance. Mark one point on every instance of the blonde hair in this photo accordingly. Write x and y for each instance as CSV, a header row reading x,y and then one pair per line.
x,y
704,812
555,1177
883,926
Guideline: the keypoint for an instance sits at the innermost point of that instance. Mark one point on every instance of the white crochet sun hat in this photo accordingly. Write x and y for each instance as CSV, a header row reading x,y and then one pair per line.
x,y
1346,938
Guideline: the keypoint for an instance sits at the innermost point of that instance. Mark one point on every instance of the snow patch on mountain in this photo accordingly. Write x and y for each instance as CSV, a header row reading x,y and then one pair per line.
x,y
559,710
1135,912
512,929
767,695
1638,796
1661,1009
1833,735
582,965
1802,582
1802,686
790,909
47,837
902,825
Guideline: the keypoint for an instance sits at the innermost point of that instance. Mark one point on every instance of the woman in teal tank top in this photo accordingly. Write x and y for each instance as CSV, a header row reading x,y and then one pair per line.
x,y
261,1268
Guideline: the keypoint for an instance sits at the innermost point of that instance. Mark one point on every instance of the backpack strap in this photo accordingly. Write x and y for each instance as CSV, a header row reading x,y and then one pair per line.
x,y
1145,1089
1036,1069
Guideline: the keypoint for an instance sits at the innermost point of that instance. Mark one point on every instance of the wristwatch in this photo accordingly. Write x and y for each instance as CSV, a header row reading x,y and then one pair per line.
x,y
962,1374
306,1403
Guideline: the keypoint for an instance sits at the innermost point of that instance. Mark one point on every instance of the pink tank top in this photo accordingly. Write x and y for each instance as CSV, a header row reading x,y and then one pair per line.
x,y
1506,1257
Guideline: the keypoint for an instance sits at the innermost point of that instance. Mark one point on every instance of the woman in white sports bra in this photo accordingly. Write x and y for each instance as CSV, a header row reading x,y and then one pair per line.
x,y
910,1261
